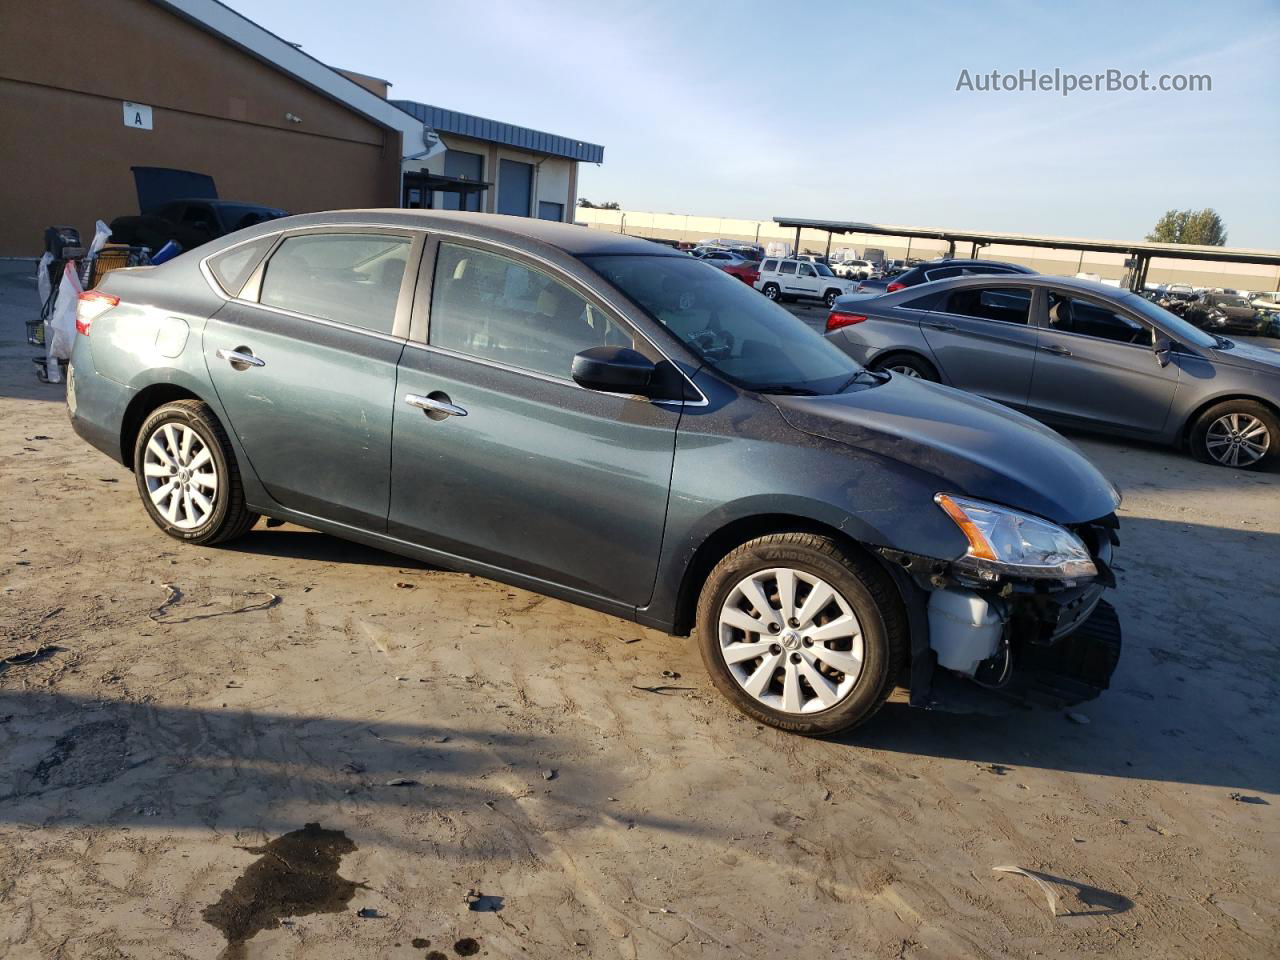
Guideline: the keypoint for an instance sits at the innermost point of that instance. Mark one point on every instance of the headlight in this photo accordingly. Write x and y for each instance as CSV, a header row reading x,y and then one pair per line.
x,y
1004,541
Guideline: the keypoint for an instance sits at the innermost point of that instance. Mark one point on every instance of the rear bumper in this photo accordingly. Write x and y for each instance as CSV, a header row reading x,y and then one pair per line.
x,y
96,405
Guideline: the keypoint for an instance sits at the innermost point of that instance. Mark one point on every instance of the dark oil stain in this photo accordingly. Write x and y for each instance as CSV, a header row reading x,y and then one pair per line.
x,y
297,874
420,943
466,947
435,955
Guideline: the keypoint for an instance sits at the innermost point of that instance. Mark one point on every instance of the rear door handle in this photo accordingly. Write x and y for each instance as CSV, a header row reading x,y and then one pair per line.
x,y
435,405
240,358
1056,350
939,326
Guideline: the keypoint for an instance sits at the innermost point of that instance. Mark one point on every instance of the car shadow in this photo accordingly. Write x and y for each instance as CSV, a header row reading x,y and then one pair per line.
x,y
73,760
298,543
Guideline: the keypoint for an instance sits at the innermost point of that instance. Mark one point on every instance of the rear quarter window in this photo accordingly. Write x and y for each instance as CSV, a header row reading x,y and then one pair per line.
x,y
769,266
232,268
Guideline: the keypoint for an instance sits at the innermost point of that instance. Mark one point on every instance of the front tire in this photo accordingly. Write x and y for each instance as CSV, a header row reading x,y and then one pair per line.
x,y
1236,433
800,634
187,475
908,365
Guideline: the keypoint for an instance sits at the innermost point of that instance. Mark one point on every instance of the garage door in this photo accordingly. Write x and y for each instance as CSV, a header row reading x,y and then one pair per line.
x,y
515,187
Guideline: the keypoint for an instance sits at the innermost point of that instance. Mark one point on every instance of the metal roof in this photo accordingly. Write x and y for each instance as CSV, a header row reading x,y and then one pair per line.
x,y
1177,251
478,128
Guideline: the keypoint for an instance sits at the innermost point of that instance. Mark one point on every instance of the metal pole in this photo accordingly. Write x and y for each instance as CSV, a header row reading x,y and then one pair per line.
x,y
908,248
796,251
828,253
1080,264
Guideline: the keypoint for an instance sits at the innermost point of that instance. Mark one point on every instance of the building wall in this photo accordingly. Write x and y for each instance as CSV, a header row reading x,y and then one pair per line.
x,y
66,66
672,226
554,178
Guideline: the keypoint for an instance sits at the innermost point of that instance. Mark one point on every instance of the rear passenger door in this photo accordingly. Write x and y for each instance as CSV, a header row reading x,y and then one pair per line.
x,y
524,470
303,357
983,341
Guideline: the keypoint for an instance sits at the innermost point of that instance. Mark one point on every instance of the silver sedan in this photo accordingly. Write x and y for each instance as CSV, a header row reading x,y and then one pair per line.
x,y
1077,354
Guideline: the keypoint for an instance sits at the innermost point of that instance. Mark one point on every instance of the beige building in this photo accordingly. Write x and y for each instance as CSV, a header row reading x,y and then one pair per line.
x,y
90,89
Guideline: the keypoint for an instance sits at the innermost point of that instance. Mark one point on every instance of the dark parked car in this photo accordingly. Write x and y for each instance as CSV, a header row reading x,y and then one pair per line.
x,y
1075,354
599,419
937,270
191,223
1225,313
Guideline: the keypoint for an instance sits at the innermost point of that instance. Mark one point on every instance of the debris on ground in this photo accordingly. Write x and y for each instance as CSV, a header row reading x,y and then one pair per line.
x,y
1050,894
369,913
1079,718
402,782
403,585
1243,798
661,688
670,675
175,597
548,774
25,659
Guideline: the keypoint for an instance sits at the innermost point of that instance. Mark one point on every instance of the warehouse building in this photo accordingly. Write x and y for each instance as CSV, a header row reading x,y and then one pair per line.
x,y
89,91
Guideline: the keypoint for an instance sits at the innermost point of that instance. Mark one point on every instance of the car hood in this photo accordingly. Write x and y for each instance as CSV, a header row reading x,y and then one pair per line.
x,y
1248,356
973,446
1235,313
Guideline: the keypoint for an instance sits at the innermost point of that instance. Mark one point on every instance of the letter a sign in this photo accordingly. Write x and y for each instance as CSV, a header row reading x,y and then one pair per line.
x,y
137,115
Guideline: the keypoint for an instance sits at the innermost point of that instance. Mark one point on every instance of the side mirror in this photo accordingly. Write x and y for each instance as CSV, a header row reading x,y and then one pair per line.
x,y
614,370
1163,348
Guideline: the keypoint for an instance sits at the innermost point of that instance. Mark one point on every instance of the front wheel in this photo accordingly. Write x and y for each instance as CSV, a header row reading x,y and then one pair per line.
x,y
1236,433
800,634
187,475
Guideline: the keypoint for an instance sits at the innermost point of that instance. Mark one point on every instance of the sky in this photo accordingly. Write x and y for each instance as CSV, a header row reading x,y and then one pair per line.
x,y
850,111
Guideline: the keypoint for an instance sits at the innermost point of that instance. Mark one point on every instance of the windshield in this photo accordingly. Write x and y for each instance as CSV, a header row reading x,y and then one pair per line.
x,y
1221,301
1170,322
746,337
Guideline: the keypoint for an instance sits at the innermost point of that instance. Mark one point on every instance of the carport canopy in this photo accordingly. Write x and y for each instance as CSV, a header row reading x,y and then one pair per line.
x,y
1140,254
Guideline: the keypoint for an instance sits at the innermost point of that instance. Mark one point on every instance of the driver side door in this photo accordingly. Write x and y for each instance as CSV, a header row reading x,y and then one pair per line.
x,y
1096,368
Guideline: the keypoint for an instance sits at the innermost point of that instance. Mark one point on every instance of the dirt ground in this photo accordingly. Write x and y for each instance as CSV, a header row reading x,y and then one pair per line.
x,y
160,763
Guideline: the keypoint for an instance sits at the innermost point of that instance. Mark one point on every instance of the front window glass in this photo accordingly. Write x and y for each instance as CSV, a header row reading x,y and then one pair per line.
x,y
495,308
749,339
1171,323
1073,315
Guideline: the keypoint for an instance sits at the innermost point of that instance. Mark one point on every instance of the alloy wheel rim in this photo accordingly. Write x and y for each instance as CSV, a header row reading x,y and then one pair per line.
x,y
790,640
906,371
181,477
1237,439
772,293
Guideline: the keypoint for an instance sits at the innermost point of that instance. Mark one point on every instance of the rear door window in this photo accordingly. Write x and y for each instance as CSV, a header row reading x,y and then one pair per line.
x,y
495,308
1005,304
353,279
769,266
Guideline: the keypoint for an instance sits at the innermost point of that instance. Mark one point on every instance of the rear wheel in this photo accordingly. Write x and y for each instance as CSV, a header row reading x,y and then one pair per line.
x,y
800,634
908,365
187,475
1236,433
772,291
829,298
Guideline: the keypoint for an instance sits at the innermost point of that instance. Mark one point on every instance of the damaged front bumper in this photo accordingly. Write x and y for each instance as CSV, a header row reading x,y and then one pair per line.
x,y
1044,643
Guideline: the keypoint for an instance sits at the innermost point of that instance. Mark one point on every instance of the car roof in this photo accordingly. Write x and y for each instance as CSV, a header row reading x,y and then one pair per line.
x,y
958,262
1016,280
570,238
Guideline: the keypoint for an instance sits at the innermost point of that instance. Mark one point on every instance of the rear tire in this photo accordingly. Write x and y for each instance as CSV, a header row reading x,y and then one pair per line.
x,y
766,672
772,291
187,475
908,365
1242,434
829,298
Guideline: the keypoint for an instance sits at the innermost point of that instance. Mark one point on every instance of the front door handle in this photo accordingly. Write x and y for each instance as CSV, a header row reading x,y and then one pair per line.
x,y
1056,350
241,358
939,326
436,405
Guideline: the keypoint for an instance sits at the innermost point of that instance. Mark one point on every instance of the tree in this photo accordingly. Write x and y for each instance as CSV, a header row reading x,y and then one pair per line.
x,y
611,205
1201,227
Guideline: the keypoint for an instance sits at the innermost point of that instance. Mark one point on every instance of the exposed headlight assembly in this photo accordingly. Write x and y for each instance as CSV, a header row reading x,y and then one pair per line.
x,y
1006,542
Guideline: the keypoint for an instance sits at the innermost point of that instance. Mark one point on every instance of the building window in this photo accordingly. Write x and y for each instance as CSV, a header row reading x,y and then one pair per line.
x,y
515,187
469,166
550,211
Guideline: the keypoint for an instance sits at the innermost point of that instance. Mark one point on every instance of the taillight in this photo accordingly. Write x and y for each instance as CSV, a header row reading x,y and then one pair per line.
x,y
837,320
92,305
895,286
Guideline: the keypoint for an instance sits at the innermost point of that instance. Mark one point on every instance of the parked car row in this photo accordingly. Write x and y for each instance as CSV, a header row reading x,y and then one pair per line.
x,y
1074,353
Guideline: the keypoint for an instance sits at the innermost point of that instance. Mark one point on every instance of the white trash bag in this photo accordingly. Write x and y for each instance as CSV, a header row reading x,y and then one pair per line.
x,y
60,326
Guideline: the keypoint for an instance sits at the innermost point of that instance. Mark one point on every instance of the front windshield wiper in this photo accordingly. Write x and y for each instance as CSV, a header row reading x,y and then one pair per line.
x,y
787,389
1223,342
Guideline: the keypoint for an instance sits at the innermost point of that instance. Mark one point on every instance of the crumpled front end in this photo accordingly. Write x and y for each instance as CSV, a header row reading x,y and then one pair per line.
x,y
1036,641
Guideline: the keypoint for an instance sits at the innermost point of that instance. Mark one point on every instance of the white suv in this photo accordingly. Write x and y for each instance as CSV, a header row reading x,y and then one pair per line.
x,y
854,269
790,279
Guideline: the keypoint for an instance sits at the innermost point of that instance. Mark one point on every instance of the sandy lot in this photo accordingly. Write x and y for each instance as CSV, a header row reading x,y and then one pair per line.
x,y
448,734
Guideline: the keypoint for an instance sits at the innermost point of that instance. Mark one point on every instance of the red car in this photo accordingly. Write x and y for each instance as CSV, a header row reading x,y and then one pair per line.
x,y
748,271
